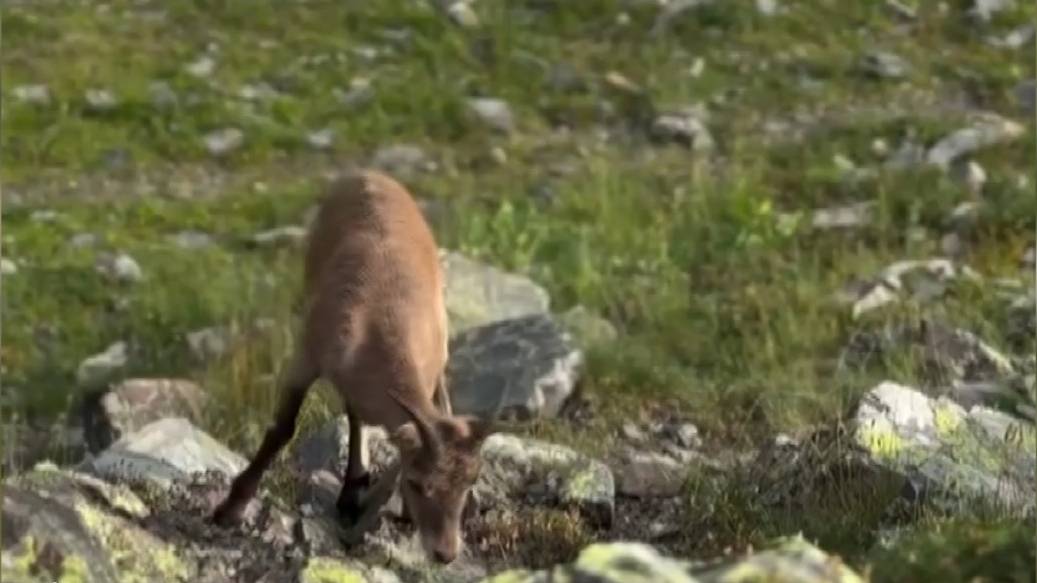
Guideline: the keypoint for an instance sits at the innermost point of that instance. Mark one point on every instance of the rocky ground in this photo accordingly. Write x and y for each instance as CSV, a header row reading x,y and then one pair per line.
x,y
751,282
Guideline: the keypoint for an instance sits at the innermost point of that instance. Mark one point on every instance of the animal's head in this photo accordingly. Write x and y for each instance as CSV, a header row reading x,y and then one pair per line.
x,y
439,464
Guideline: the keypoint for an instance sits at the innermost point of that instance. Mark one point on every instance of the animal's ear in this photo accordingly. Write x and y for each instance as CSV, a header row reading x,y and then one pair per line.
x,y
406,437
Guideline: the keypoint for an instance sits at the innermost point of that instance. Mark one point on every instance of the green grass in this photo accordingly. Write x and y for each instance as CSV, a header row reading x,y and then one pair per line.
x,y
721,292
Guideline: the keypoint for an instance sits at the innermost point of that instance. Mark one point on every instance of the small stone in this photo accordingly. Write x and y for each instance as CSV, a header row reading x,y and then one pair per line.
x,y
120,267
191,240
100,100
162,95
685,434
321,139
880,147
96,369
988,130
498,155
767,7
971,175
461,14
287,235
698,66
632,432
985,10
648,475
685,126
885,65
1026,96
903,11
258,92
620,82
951,245
1015,39
588,328
82,240
360,93
208,343
224,141
908,155
845,217
403,159
32,94
202,67
43,216
7,266
494,113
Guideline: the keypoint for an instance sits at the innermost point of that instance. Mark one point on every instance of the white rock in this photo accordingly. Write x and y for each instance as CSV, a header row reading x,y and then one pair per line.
x,y
989,130
648,475
971,175
99,367
844,217
461,14
208,343
7,266
100,100
321,139
494,113
202,67
32,94
120,267
164,451
191,239
224,141
286,235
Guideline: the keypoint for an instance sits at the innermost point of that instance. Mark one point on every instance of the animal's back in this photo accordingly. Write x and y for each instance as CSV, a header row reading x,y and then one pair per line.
x,y
373,280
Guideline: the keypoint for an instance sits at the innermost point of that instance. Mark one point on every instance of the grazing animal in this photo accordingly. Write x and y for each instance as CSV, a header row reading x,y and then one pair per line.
x,y
374,324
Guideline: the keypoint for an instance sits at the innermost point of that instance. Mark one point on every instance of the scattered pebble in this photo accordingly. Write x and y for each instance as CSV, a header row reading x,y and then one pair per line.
x,y
631,431
162,95
120,267
321,139
461,14
81,240
202,67
844,217
685,126
767,7
208,343
885,65
43,216
494,113
360,93
222,142
988,130
100,100
8,266
686,435
32,94
191,239
99,367
287,235
971,175
1015,39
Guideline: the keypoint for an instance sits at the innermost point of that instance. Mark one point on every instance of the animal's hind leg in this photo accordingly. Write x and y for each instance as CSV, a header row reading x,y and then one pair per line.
x,y
293,389
357,480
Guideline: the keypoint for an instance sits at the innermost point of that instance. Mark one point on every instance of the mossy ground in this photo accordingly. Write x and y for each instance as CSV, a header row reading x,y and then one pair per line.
x,y
722,298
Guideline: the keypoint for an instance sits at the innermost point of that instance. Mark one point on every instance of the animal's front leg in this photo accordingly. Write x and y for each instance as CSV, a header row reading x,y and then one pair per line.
x,y
357,480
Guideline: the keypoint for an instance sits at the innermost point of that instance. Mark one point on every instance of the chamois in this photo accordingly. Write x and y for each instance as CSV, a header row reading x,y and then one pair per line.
x,y
374,324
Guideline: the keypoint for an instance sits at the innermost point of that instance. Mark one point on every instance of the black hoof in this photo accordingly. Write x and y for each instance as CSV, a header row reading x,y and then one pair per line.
x,y
350,498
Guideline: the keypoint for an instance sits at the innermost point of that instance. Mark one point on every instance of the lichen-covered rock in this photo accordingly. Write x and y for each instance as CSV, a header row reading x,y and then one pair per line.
x,y
643,474
524,368
477,294
946,452
921,279
60,525
520,467
791,560
331,570
134,403
162,452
